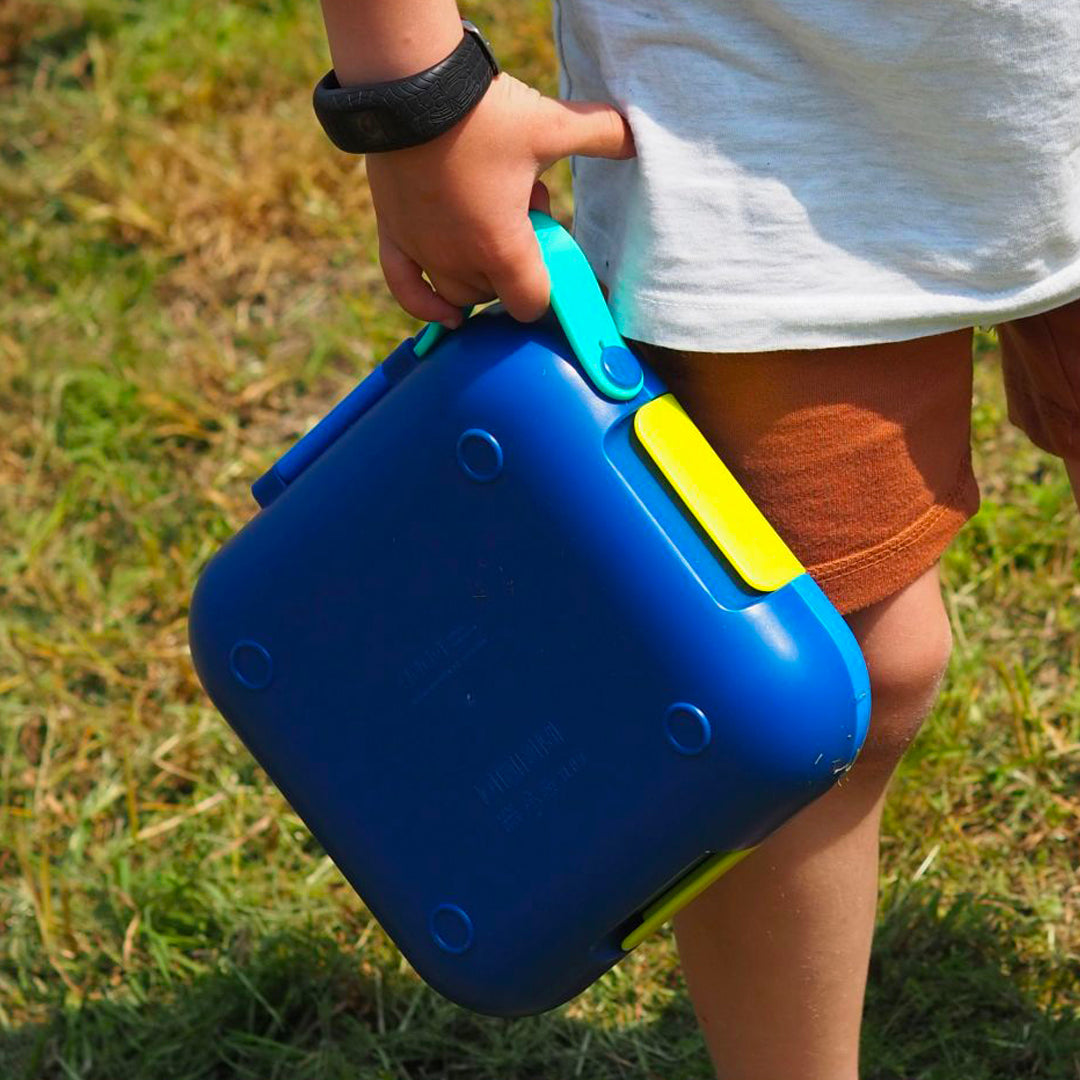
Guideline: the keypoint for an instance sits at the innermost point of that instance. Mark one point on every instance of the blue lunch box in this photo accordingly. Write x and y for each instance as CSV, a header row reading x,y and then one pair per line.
x,y
528,662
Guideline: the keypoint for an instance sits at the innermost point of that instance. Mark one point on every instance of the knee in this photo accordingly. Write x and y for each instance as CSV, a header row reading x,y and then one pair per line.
x,y
906,665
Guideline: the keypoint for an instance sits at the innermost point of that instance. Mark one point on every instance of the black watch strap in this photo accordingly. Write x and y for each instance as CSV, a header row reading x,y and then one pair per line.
x,y
410,111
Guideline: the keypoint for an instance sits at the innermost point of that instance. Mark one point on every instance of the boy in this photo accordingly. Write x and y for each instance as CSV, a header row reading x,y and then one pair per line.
x,y
826,196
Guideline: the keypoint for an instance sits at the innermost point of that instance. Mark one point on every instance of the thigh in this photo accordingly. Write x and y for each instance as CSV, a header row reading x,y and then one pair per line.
x,y
860,457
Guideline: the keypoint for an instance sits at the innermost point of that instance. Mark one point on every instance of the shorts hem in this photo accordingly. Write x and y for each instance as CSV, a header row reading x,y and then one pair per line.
x,y
866,577
1049,427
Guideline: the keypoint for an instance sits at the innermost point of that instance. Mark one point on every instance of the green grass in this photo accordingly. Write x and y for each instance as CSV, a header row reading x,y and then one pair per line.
x,y
187,280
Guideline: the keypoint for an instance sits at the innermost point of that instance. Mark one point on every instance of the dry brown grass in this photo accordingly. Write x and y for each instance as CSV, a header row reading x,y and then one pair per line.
x,y
187,280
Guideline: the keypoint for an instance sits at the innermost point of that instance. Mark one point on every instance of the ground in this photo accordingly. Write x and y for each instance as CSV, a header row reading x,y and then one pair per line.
x,y
187,281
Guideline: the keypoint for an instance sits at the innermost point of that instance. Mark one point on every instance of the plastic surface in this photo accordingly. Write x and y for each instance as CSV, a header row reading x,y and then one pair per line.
x,y
582,312
480,677
347,411
713,495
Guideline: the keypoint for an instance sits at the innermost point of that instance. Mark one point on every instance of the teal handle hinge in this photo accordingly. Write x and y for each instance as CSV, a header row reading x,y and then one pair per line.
x,y
582,312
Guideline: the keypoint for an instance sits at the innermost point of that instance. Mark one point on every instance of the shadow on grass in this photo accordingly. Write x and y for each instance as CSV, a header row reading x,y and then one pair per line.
x,y
949,998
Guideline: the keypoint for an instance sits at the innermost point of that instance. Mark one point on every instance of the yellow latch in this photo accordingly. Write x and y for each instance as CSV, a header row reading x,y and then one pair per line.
x,y
738,528
679,895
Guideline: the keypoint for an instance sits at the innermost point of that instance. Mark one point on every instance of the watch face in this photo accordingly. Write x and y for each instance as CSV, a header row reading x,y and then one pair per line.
x,y
370,125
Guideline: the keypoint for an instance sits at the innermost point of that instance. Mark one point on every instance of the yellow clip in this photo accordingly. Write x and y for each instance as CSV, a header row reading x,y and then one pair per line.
x,y
677,897
738,528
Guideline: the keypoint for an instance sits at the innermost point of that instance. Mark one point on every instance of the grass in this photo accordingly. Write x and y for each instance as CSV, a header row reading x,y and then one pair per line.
x,y
187,280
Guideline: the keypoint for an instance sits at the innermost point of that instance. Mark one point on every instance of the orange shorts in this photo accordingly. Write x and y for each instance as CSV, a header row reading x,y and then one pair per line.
x,y
861,456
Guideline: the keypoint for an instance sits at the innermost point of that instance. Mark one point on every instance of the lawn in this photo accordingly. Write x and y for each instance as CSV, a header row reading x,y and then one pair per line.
x,y
187,281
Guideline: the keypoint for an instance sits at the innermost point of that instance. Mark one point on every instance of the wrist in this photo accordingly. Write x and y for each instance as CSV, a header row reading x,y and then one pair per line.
x,y
399,113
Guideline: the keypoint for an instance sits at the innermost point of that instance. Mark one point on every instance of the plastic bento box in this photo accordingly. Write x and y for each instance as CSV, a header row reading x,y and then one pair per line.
x,y
521,653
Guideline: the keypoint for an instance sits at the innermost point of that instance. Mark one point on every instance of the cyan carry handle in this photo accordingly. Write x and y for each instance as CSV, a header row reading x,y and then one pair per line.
x,y
582,312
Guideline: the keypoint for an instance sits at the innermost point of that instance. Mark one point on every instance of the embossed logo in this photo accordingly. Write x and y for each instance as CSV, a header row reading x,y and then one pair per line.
x,y
520,785
513,768
445,657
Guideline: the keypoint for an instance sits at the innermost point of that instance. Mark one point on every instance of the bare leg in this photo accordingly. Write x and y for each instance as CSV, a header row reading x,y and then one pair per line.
x,y
776,953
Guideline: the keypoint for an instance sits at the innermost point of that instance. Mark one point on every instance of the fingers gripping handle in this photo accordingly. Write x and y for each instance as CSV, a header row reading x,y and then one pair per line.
x,y
582,312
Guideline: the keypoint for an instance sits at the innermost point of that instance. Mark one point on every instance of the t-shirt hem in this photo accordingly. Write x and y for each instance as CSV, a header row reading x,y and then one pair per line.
x,y
763,324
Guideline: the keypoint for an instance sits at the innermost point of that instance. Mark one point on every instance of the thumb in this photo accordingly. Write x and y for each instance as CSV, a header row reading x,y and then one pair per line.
x,y
590,128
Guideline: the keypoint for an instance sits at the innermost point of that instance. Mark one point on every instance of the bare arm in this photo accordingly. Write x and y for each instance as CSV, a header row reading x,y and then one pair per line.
x,y
455,208
375,40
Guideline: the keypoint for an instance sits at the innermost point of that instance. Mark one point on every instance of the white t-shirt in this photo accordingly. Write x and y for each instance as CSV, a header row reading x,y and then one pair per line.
x,y
814,173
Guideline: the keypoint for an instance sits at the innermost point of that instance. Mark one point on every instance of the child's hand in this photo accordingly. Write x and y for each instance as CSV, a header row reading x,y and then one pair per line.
x,y
456,208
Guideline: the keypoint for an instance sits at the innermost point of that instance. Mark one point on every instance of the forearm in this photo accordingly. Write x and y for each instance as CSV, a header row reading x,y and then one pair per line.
x,y
376,40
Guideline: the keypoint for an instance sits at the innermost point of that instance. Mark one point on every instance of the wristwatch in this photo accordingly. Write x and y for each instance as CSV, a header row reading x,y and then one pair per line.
x,y
410,111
